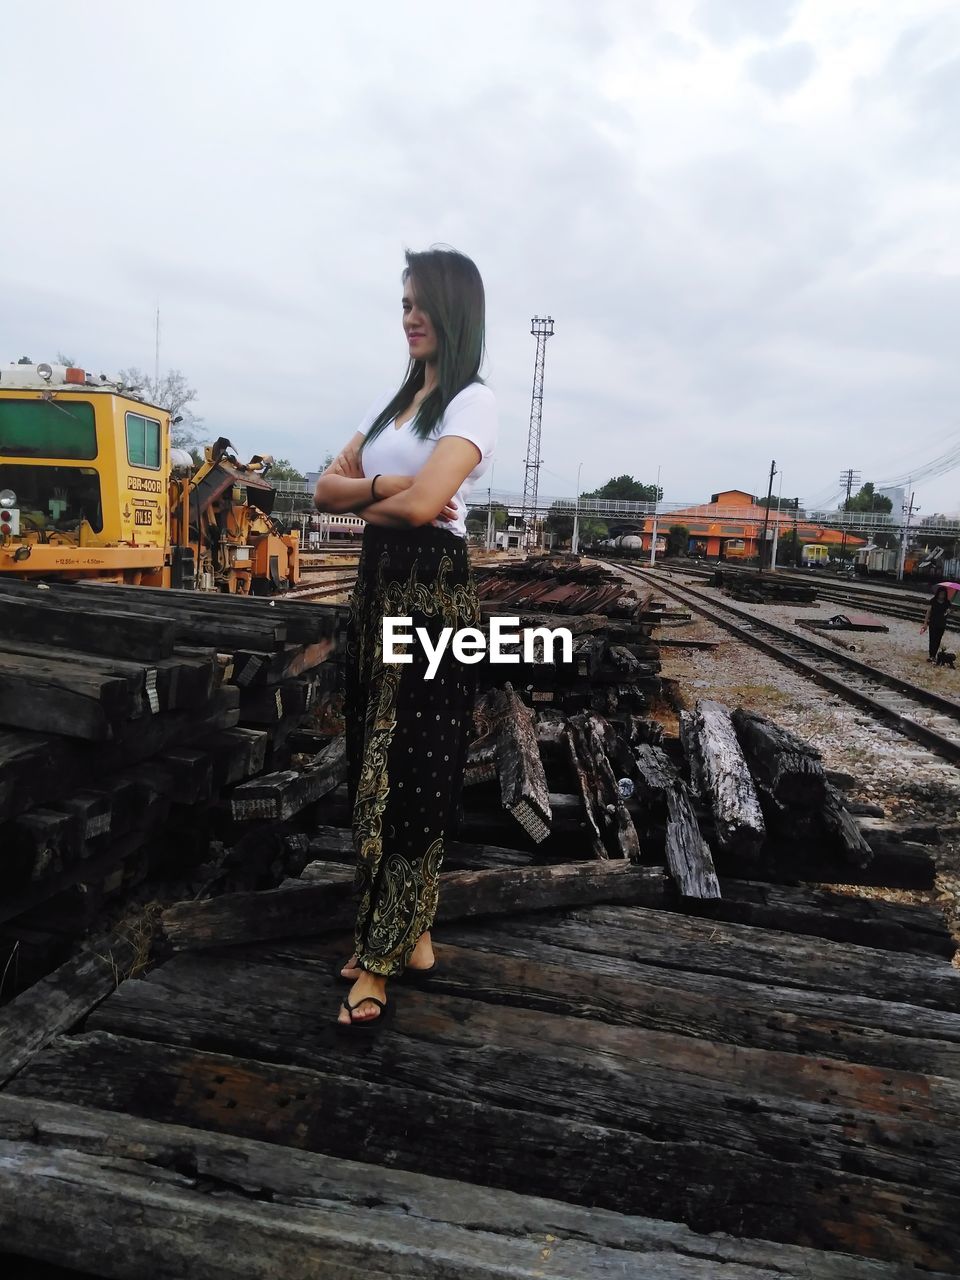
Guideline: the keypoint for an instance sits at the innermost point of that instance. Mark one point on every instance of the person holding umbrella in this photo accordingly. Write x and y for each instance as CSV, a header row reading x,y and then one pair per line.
x,y
935,619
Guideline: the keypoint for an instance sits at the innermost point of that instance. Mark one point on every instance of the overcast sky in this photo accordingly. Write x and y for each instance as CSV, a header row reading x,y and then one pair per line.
x,y
743,216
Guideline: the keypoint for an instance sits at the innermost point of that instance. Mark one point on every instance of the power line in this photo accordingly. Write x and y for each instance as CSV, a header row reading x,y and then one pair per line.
x,y
905,459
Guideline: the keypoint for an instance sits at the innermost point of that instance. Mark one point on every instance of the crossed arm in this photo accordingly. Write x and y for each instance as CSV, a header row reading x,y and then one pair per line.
x,y
402,502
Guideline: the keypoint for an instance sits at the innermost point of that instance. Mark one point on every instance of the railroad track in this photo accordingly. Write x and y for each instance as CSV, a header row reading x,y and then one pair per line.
x,y
327,586
917,713
908,608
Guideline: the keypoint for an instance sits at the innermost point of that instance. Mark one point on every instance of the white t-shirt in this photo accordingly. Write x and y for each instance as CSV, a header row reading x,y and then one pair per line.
x,y
471,414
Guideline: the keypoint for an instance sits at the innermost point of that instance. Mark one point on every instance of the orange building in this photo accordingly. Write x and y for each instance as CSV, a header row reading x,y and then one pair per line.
x,y
730,527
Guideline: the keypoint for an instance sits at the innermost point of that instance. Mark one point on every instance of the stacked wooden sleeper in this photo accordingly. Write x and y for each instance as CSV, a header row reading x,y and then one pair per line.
x,y
121,709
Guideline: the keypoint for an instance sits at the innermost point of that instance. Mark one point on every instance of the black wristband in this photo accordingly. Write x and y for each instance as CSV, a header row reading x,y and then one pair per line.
x,y
373,486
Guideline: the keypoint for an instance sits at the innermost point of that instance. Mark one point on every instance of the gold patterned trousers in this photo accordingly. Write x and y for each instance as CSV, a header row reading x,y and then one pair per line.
x,y
406,735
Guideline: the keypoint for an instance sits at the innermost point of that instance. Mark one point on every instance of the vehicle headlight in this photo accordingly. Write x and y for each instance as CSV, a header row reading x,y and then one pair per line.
x,y
7,498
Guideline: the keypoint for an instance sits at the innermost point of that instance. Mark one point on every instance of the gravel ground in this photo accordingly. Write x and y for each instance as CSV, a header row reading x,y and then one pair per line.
x,y
900,651
911,784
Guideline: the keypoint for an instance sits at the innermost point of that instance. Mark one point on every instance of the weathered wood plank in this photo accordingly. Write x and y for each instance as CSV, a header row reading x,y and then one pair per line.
x,y
336,844
59,1000
57,697
251,668
316,1197
149,737
893,1125
788,769
480,960
277,913
800,802
27,615
893,865
57,878
39,768
720,775
190,621
589,737
588,793
507,1107
279,796
483,962
666,798
823,913
672,940
688,854
305,623
523,783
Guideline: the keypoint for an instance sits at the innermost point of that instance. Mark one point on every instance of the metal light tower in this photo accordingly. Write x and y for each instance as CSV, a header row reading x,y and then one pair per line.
x,y
542,328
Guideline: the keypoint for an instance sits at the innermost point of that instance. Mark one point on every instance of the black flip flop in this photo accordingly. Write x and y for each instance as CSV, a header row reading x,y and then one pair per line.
x,y
416,976
362,1022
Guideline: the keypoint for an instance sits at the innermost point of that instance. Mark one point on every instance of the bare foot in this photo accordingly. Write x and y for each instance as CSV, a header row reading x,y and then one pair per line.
x,y
367,985
422,956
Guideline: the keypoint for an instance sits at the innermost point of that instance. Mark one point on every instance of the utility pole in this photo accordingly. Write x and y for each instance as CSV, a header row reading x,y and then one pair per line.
x,y
904,535
848,479
490,538
656,504
766,515
575,540
796,535
542,328
776,528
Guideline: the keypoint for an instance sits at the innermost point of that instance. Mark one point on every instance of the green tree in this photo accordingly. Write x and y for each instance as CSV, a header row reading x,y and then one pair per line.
x,y
559,522
678,538
780,504
173,393
626,489
868,500
283,472
478,516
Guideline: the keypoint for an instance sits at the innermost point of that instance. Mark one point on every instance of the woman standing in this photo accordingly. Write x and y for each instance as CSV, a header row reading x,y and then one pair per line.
x,y
407,470
936,620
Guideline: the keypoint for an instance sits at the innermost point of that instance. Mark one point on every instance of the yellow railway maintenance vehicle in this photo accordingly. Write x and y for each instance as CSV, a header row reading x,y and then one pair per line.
x,y
90,488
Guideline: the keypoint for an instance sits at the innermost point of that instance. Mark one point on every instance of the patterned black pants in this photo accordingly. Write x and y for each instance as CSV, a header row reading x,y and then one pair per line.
x,y
406,735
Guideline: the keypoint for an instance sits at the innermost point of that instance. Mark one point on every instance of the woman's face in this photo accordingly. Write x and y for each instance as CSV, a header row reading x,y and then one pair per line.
x,y
421,337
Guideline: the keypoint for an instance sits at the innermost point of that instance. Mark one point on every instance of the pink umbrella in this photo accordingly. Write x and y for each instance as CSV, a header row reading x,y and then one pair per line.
x,y
952,587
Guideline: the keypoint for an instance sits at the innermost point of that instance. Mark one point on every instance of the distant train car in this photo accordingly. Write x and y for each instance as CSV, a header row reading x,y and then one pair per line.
x,y
339,528
875,561
734,549
814,553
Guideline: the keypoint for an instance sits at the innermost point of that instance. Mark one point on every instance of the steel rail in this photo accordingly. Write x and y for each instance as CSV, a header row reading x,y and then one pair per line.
x,y
832,670
908,609
308,591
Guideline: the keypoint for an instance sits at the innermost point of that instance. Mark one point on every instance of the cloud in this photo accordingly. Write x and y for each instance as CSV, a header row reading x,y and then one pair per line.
x,y
727,21
921,76
734,275
782,70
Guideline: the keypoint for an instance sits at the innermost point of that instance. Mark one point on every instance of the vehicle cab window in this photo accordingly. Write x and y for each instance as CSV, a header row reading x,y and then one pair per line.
x,y
143,441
